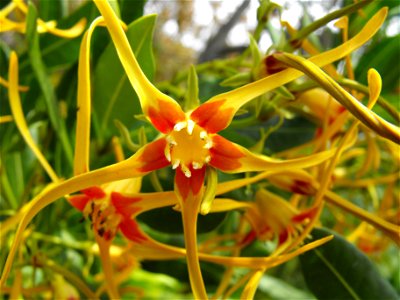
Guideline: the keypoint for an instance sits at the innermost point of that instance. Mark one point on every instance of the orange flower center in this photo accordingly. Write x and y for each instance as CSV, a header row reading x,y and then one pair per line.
x,y
188,146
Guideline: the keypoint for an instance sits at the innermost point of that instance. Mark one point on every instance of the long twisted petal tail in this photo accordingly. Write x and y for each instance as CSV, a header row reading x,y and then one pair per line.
x,y
391,230
70,33
82,140
132,167
15,103
153,249
42,26
348,139
149,95
233,100
233,158
262,262
365,115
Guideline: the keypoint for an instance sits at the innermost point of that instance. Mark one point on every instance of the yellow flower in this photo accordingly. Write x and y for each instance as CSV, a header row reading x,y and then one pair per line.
x,y
19,6
190,142
273,217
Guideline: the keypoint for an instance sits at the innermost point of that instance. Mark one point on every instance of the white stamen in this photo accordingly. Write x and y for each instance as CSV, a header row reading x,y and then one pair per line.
x,y
190,127
208,144
207,159
175,164
186,171
171,141
167,153
196,165
180,125
203,134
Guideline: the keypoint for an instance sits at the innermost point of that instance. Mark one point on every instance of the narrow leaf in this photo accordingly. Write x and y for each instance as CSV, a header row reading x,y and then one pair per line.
x,y
45,81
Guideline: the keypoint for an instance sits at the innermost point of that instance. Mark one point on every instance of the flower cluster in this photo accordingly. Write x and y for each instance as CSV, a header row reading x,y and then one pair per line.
x,y
274,201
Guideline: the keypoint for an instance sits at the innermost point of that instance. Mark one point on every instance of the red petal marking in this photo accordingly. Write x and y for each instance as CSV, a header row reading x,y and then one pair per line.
x,y
341,109
165,116
193,183
283,236
307,214
272,65
251,236
125,205
153,156
224,154
131,231
94,192
79,201
211,117
302,187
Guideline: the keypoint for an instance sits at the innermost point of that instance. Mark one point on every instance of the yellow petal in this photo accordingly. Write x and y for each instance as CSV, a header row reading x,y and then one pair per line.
x,y
374,86
251,286
82,140
128,168
5,119
190,209
222,205
69,33
21,88
364,114
149,95
8,25
252,162
263,262
309,47
235,99
15,103
7,10
391,230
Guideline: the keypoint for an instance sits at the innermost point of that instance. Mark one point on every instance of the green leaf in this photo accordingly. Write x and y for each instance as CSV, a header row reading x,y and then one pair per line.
x,y
131,10
277,289
50,10
45,82
292,133
338,270
168,221
381,57
113,95
57,52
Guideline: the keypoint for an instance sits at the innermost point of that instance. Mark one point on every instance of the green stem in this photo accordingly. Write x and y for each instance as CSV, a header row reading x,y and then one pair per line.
x,y
304,32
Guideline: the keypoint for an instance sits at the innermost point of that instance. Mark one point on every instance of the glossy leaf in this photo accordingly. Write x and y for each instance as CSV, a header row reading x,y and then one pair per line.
x,y
338,270
113,95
